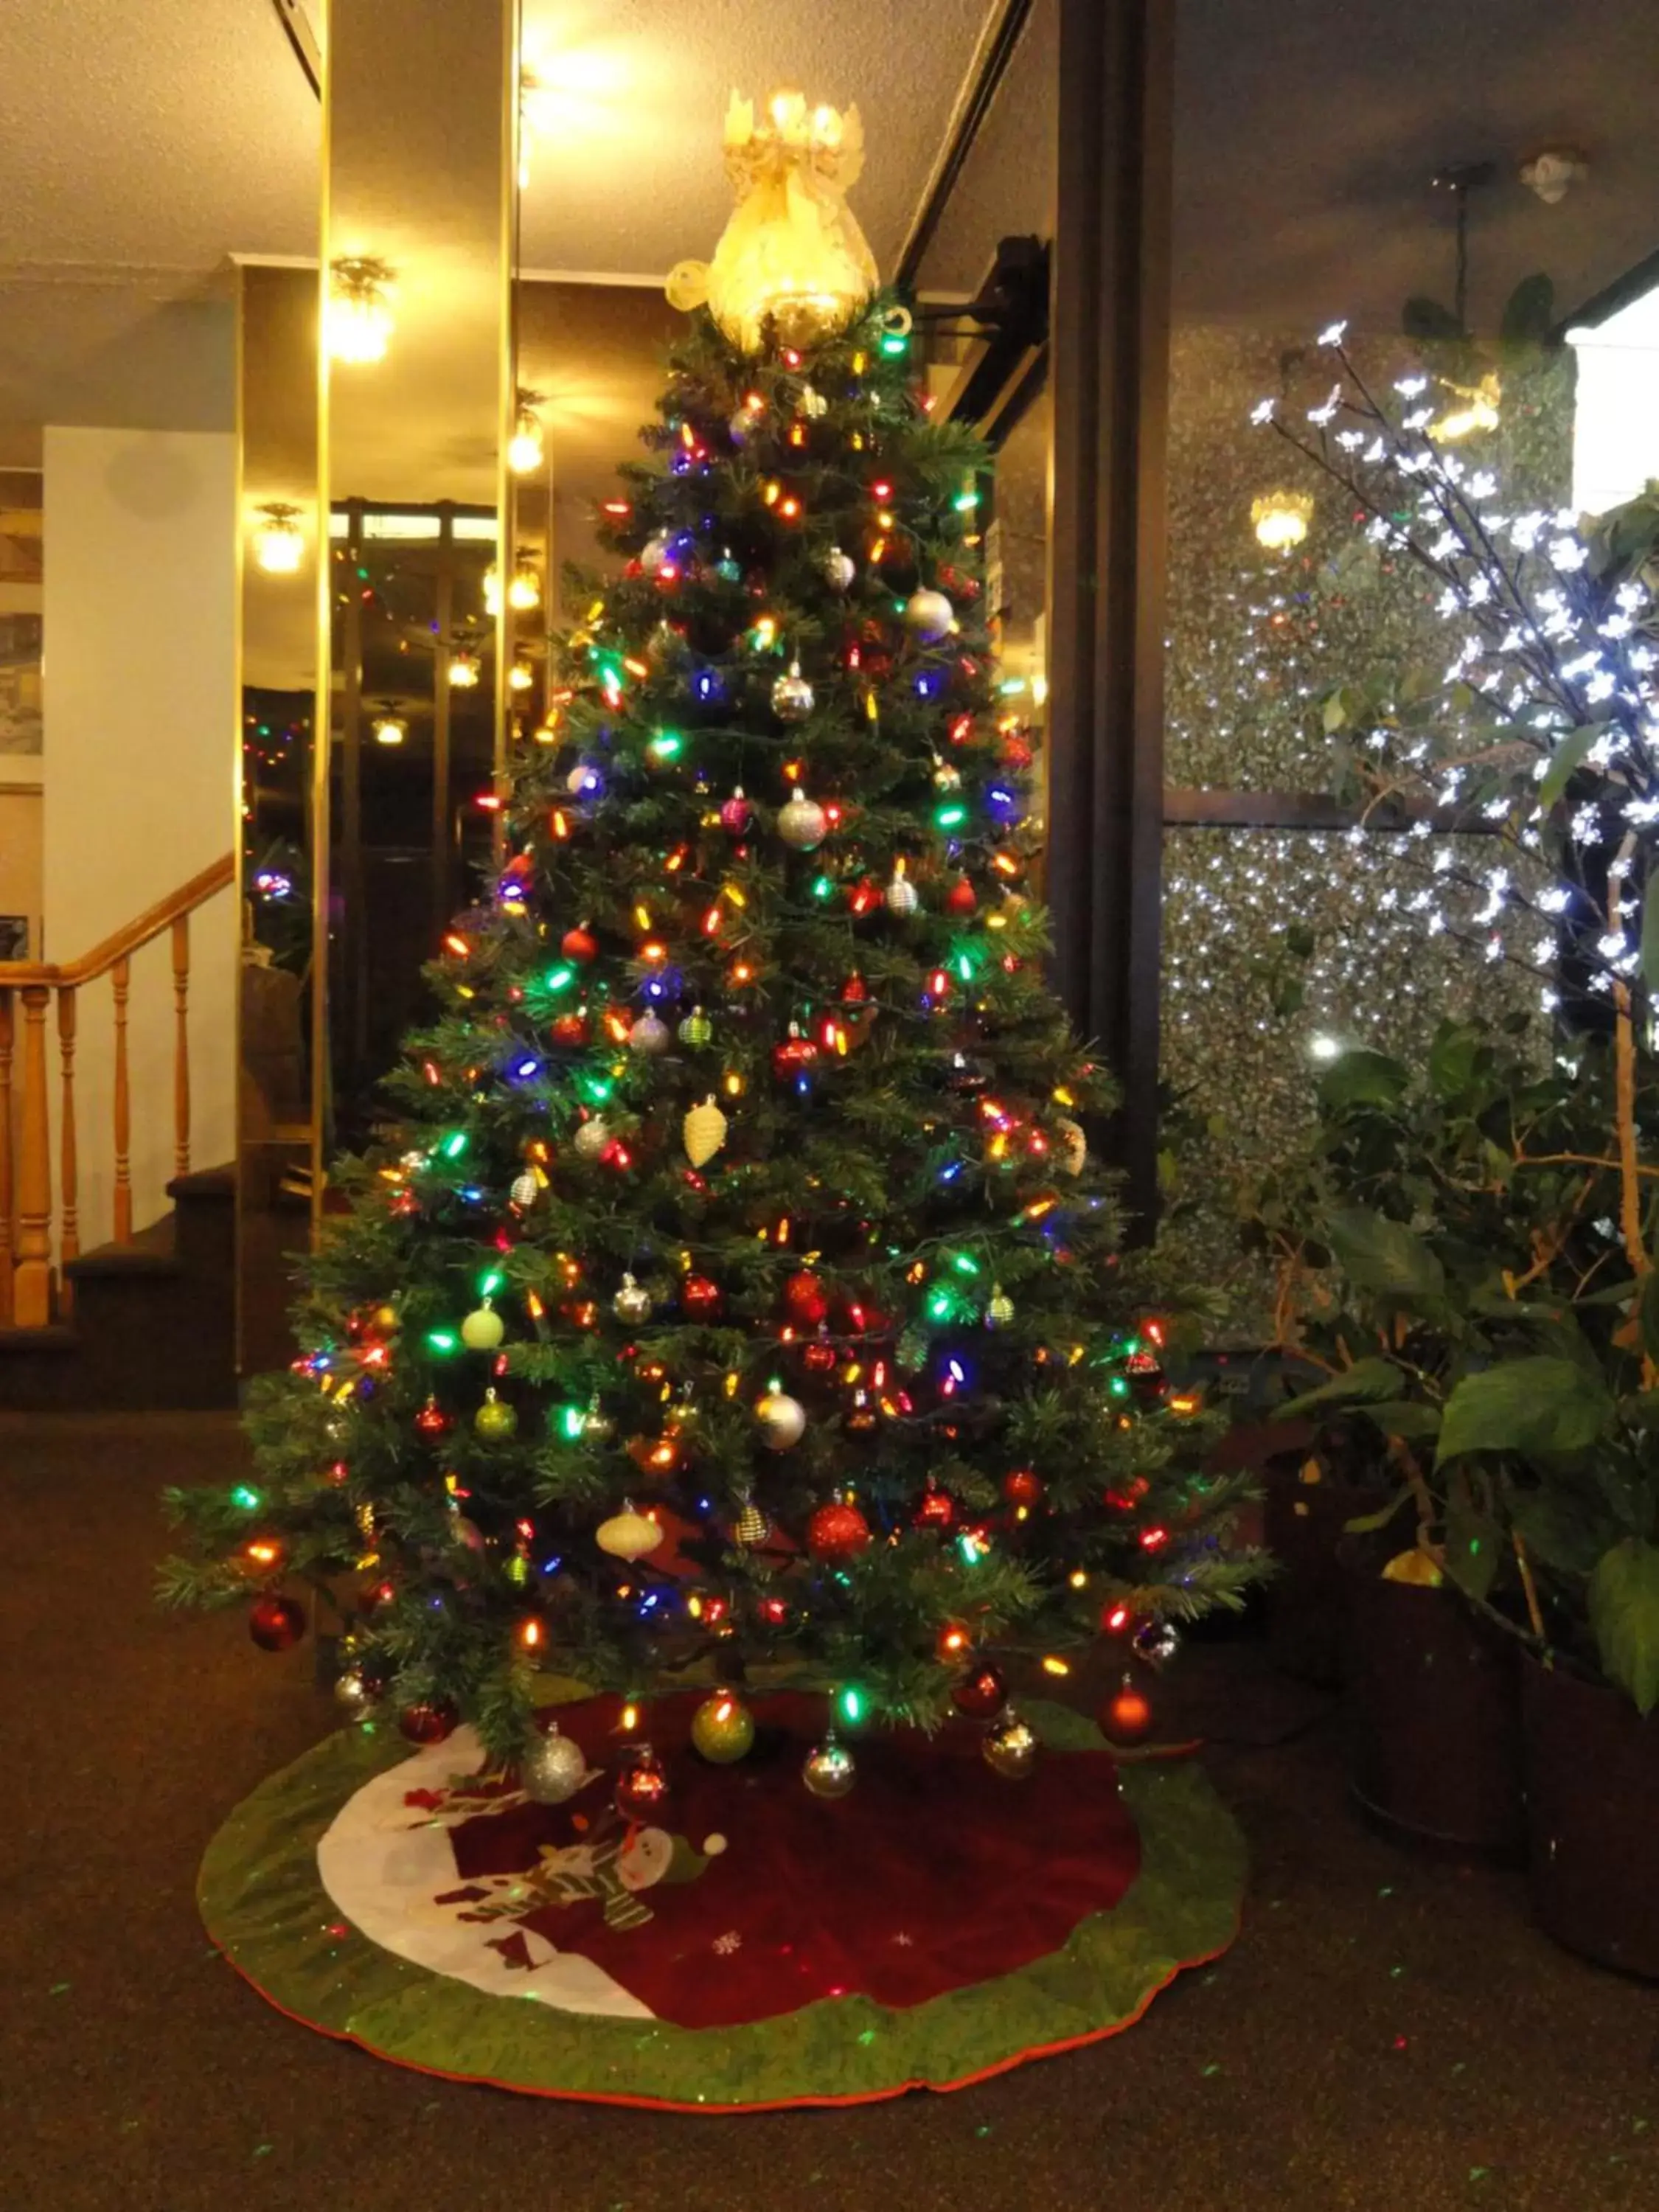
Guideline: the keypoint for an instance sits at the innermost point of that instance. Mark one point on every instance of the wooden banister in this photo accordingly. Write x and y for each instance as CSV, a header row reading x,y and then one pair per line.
x,y
125,941
30,1293
69,1228
32,1282
8,1195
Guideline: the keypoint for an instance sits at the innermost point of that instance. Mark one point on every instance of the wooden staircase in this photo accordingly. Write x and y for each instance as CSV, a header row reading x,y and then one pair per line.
x,y
148,1320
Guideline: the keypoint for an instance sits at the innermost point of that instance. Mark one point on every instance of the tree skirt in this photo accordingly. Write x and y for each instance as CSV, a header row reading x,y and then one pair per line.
x,y
761,1947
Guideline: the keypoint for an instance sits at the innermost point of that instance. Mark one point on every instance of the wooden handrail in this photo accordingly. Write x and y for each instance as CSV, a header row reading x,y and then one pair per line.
x,y
126,941
30,1296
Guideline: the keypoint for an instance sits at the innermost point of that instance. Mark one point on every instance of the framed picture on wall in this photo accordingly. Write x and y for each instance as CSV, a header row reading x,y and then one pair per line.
x,y
14,936
19,684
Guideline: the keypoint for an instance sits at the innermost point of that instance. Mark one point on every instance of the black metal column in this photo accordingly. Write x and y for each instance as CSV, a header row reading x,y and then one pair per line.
x,y
1110,356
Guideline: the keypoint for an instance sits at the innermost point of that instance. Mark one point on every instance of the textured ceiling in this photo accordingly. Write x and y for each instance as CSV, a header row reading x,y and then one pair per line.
x,y
628,178
1306,133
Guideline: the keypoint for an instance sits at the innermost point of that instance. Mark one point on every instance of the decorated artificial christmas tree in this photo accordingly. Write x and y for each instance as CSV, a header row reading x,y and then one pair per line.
x,y
730,1302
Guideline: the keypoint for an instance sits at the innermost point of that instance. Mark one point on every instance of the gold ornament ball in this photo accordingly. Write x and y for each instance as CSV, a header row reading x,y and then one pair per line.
x,y
1009,1748
792,696
722,1729
495,1420
830,1771
523,1189
703,1131
632,1303
782,1421
1001,1310
751,1526
354,1693
554,1768
627,1535
928,615
482,1330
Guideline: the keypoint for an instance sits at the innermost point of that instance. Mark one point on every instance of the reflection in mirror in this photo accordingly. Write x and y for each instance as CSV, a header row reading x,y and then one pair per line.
x,y
276,860
417,385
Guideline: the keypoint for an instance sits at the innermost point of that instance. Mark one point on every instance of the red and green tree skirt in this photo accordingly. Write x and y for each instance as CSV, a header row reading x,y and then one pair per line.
x,y
731,1289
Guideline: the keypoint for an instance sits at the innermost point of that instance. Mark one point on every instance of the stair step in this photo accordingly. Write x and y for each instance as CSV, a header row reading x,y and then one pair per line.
x,y
152,1251
54,1341
205,1183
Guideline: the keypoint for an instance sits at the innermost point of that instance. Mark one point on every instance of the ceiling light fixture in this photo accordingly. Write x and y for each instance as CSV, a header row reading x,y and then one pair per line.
x,y
524,593
526,450
389,727
464,668
359,309
1280,519
279,544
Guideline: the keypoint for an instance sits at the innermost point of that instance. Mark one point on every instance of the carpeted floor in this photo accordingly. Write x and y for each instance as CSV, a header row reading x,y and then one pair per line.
x,y
1390,2033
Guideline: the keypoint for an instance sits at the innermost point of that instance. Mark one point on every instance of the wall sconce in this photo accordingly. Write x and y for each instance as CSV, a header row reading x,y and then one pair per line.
x,y
359,310
520,676
524,592
389,729
464,668
527,449
1280,519
279,544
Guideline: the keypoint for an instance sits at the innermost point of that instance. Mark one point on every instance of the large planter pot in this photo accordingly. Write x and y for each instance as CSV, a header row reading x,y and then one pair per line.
x,y
1592,1769
1433,1711
1303,1524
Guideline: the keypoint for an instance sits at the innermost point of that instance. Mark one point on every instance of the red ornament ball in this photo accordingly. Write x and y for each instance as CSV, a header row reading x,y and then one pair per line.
x,y
579,944
643,1788
1126,1716
937,1509
432,1421
276,1624
736,814
701,1298
568,1029
961,898
819,1357
430,1722
982,1691
794,1056
804,1297
837,1531
855,991
1021,1487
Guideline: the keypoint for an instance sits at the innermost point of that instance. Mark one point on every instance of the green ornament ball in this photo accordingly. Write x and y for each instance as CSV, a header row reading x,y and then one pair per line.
x,y
722,1729
495,1420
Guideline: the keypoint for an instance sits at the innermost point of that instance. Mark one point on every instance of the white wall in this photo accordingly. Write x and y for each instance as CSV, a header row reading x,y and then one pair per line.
x,y
142,729
1615,439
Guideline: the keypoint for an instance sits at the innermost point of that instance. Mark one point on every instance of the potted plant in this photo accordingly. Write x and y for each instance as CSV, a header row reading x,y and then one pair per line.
x,y
1496,1318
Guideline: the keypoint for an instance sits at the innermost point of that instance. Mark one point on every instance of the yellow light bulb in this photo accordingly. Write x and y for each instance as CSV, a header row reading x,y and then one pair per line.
x,y
1280,519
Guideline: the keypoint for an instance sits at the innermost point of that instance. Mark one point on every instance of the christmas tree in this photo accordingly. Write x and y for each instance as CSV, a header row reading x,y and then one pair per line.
x,y
731,1300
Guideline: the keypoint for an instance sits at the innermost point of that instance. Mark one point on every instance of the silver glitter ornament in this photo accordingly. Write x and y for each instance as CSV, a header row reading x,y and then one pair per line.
x,y
901,895
652,554
802,823
554,1768
839,570
632,1303
928,615
792,696
830,1771
648,1035
1156,1642
1009,1748
592,1138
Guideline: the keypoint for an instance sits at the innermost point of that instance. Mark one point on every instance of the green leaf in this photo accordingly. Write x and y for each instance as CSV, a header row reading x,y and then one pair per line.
x,y
1544,1404
1404,1417
1472,1545
1624,1610
1427,318
1367,1524
1567,758
1452,1058
1380,1255
1562,1530
1528,311
1366,1378
1363,1077
1334,712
